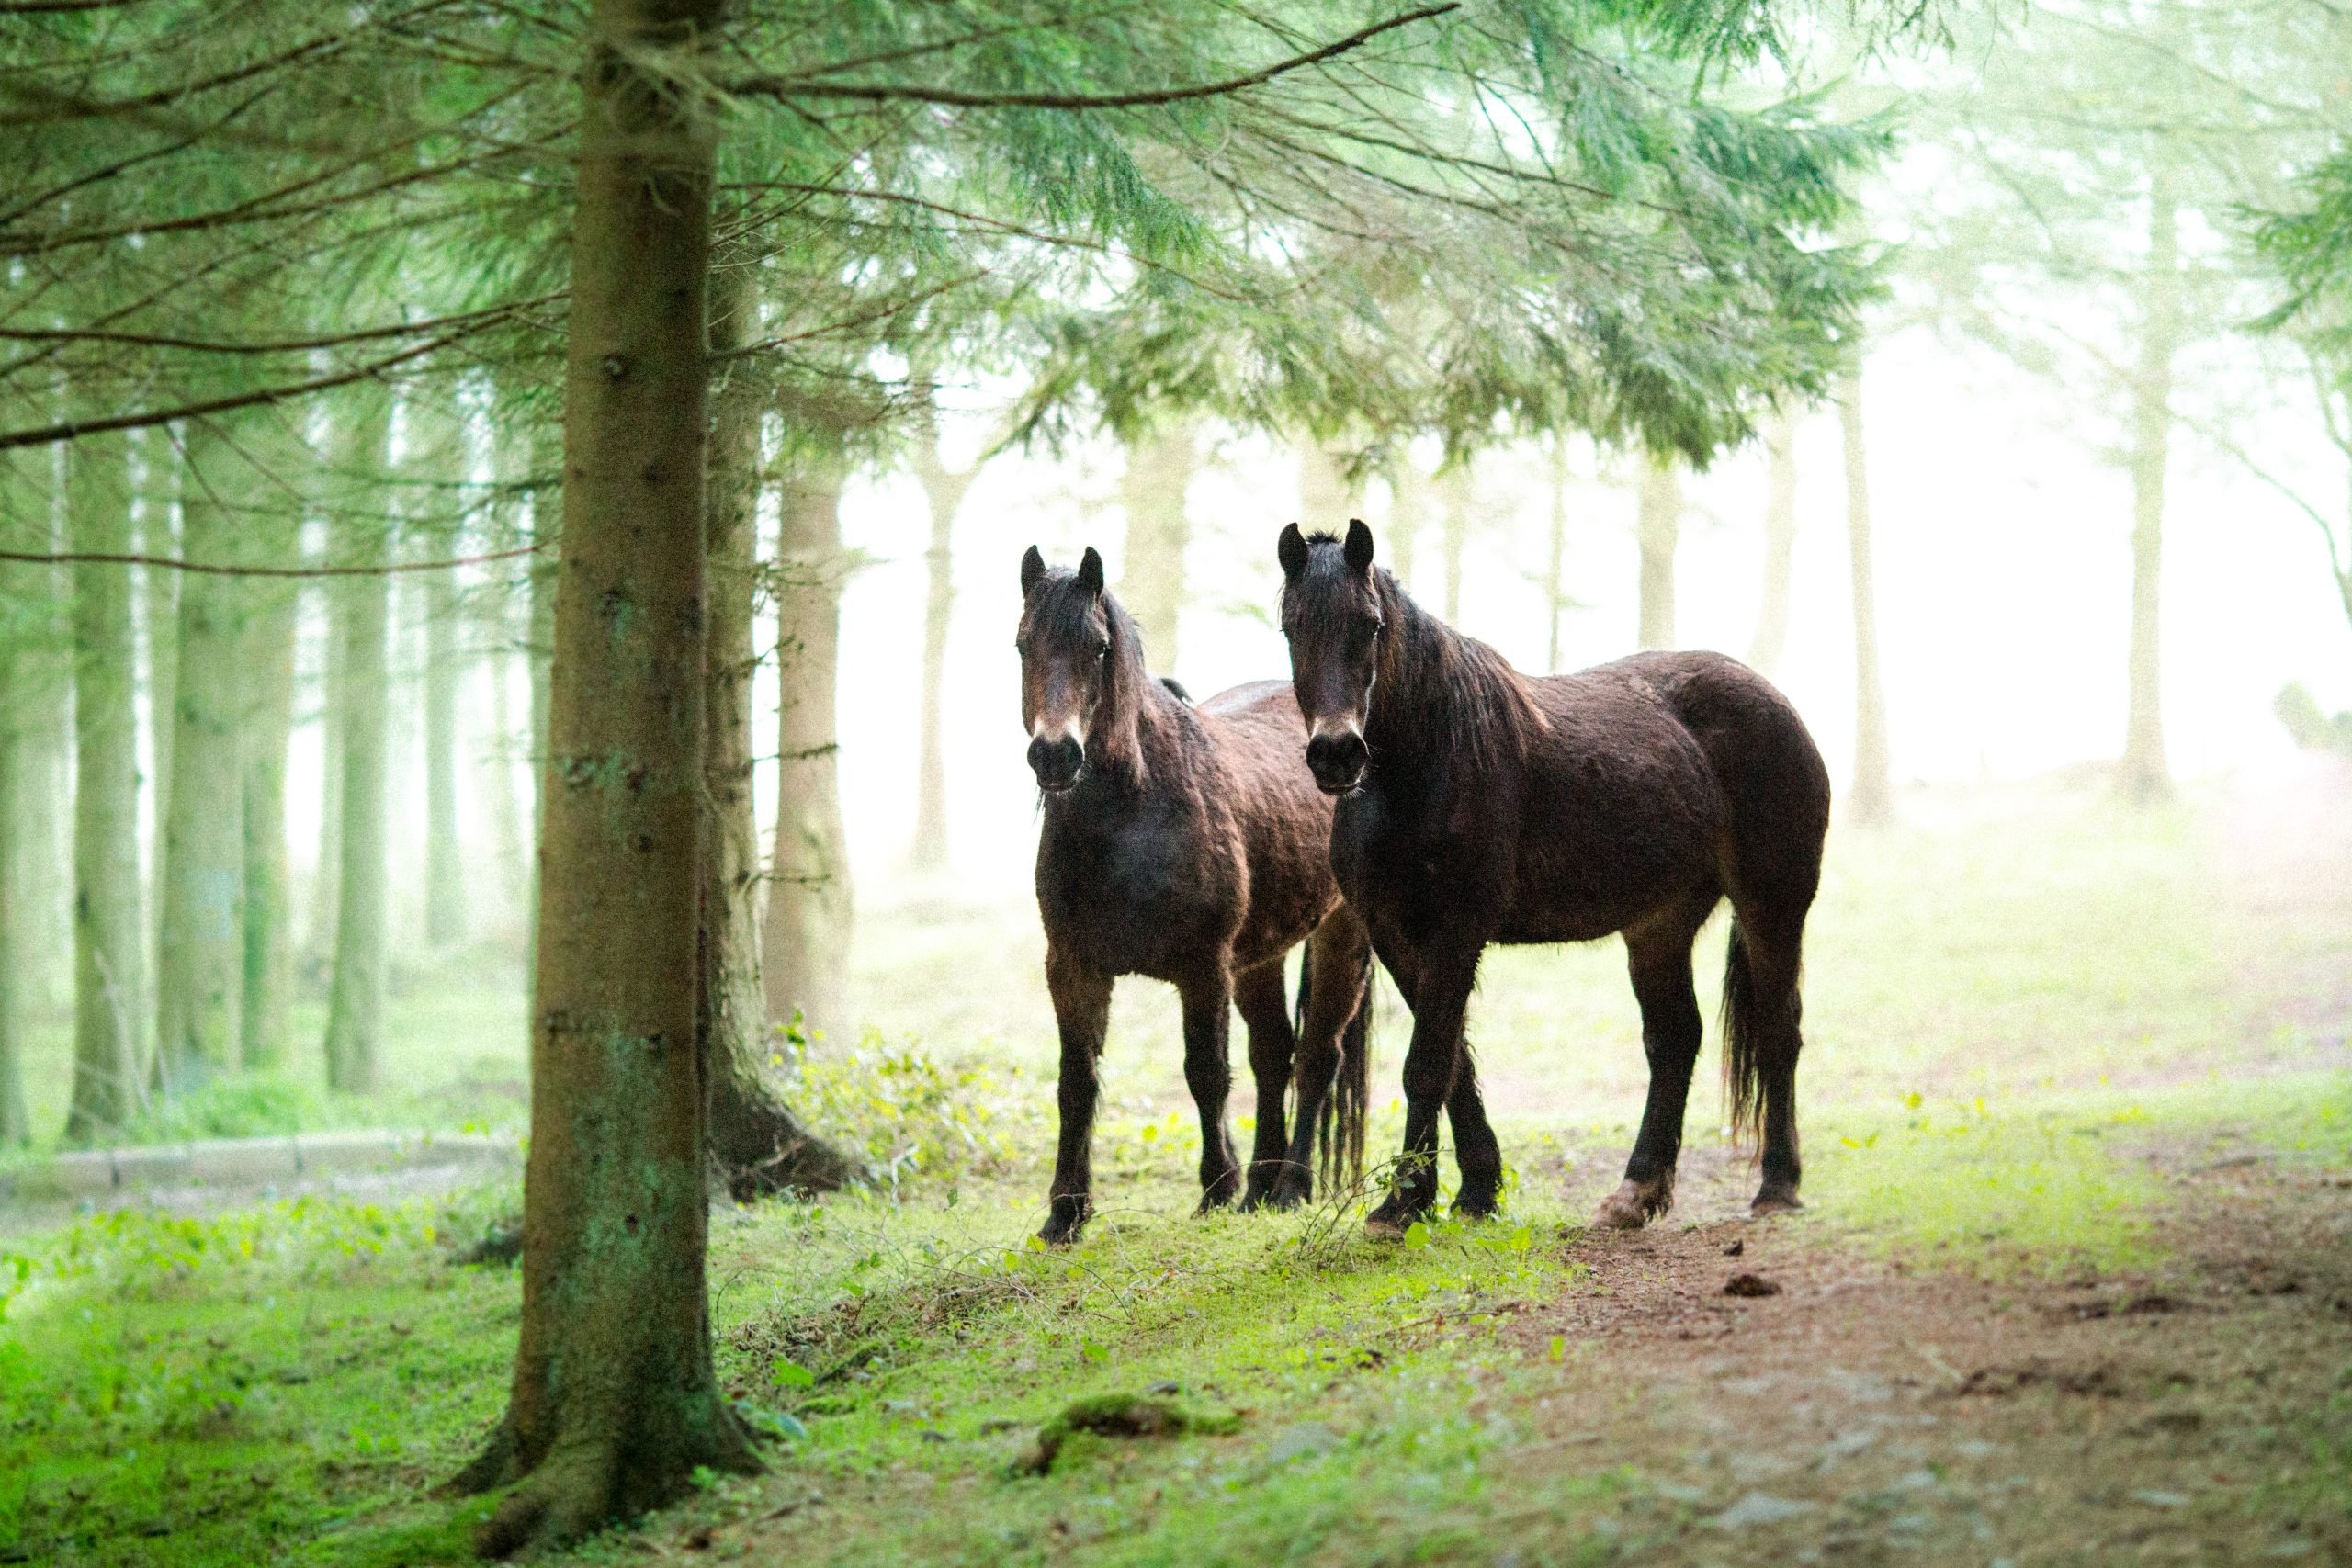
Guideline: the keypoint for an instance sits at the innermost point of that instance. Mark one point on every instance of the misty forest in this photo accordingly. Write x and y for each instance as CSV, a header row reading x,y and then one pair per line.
x,y
980,782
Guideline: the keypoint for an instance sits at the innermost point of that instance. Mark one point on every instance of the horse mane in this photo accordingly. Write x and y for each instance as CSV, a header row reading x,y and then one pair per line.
x,y
1447,690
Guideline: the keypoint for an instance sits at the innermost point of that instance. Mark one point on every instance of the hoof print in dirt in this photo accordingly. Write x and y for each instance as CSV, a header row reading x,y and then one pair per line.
x,y
1734,1247
1117,1415
1750,1285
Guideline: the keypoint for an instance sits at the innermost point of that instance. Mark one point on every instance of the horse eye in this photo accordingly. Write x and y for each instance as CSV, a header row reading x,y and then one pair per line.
x,y
1020,646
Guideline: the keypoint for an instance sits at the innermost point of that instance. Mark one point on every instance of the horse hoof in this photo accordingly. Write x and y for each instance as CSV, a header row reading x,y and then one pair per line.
x,y
1476,1208
1632,1206
1775,1200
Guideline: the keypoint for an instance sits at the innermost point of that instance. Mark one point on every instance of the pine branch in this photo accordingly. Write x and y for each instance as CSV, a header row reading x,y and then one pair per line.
x,y
1075,103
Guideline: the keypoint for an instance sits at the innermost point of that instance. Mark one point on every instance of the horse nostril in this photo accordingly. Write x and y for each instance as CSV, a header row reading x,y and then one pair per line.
x,y
1056,762
1337,760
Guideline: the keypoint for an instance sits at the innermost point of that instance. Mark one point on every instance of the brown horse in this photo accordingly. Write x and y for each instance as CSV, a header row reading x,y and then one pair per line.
x,y
1477,806
1185,843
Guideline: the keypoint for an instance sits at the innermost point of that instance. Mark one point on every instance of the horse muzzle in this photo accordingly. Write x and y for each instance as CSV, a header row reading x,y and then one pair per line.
x,y
1056,762
1338,759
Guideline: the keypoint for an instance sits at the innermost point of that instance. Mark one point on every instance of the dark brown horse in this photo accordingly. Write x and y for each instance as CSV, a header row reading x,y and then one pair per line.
x,y
1477,806
1187,844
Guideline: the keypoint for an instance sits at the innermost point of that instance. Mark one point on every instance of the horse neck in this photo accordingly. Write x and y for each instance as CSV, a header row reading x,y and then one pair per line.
x,y
1439,698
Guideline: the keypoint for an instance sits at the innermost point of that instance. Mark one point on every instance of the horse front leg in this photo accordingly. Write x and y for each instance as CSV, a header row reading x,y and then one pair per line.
x,y
1475,1149
1266,1012
1208,1073
1440,994
1082,1009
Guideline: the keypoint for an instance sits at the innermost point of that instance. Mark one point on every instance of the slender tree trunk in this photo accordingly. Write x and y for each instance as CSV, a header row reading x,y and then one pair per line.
x,y
159,536
1658,530
1872,800
355,991
42,712
944,489
1555,569
1779,540
2145,776
1454,491
496,770
756,1141
334,699
615,1403
271,610
805,936
539,646
26,503
199,979
109,925
1160,468
445,886
1413,497
1327,497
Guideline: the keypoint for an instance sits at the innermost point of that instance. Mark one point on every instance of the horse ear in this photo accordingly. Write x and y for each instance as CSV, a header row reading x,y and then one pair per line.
x,y
1291,549
1359,545
1032,571
1089,572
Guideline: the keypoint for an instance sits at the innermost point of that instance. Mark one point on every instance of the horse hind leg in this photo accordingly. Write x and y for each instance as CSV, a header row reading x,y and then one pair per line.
x,y
1658,957
1762,1038
1258,992
1333,982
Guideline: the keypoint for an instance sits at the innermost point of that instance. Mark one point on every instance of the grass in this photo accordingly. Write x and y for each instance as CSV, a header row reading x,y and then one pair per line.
x,y
2014,1006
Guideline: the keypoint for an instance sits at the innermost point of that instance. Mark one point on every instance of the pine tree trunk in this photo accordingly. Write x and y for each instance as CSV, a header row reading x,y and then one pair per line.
x,y
42,714
538,645
444,674
806,935
1779,540
615,1401
1555,569
355,990
1327,497
1658,530
26,503
2145,776
200,977
1872,800
318,942
159,597
109,924
1412,497
756,1141
943,489
1453,533
265,1011
1160,467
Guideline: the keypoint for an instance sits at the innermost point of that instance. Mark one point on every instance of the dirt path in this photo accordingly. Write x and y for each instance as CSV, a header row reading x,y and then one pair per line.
x,y
2196,1412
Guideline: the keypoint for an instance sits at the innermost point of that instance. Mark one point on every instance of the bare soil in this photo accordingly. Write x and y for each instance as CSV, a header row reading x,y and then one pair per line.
x,y
2196,1412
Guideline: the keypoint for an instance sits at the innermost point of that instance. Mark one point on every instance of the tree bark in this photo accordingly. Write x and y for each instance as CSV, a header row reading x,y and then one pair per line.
x,y
1327,497
806,937
265,1012
199,979
1658,530
1872,800
1555,568
318,931
2145,776
159,535
109,925
1160,468
1454,492
944,490
615,1403
441,462
756,1143
355,992
25,504
43,715
1779,540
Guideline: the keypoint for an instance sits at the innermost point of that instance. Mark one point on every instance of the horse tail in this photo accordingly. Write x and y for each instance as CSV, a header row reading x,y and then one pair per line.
x,y
1743,1058
1341,1134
